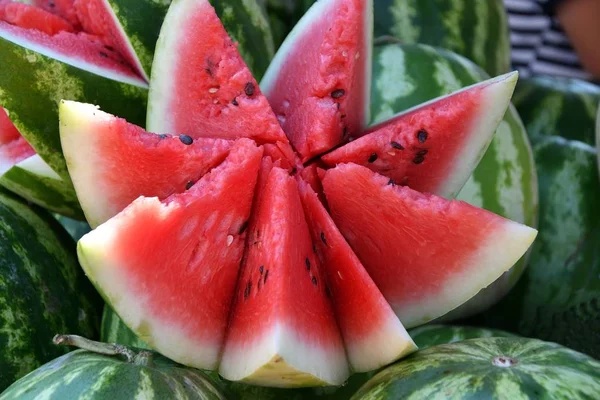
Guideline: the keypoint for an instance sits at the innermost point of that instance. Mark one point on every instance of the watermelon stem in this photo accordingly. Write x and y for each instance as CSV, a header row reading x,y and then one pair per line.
x,y
143,358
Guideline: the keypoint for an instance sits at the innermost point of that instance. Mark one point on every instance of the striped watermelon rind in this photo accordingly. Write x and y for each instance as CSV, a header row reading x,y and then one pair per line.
x,y
558,106
476,29
42,289
492,368
504,182
433,335
114,330
103,377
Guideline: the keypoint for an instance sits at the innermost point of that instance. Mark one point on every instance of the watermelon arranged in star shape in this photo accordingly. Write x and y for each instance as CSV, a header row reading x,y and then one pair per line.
x,y
267,231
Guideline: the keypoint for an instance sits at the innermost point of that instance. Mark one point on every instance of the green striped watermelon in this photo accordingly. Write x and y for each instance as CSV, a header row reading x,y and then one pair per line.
x,y
433,335
492,368
558,297
476,29
84,374
557,106
42,289
504,182
114,330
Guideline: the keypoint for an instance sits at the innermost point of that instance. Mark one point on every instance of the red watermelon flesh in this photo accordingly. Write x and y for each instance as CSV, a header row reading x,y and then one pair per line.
x,y
62,8
169,268
99,46
318,82
436,146
373,335
426,254
201,85
112,162
13,147
282,330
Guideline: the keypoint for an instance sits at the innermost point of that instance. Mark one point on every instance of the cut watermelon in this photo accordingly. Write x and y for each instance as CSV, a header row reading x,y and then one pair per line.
x,y
282,330
435,146
112,162
424,253
13,148
200,85
372,333
158,265
319,81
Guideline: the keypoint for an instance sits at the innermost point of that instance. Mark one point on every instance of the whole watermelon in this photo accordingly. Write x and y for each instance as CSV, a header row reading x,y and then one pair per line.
x,y
492,368
83,374
505,180
42,289
558,297
476,29
433,335
557,106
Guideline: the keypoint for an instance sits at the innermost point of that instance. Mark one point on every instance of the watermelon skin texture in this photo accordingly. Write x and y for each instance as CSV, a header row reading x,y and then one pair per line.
x,y
492,368
505,180
111,378
558,297
114,330
475,29
557,106
433,335
42,289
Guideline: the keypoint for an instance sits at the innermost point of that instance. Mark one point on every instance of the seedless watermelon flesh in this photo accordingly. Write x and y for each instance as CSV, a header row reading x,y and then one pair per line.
x,y
319,81
373,335
200,84
112,162
282,330
169,268
426,254
435,146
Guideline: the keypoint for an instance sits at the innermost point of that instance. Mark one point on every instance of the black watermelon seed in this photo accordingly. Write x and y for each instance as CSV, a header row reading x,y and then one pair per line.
x,y
422,152
189,185
266,276
248,289
162,136
261,269
103,54
418,159
327,292
323,238
185,139
235,102
372,158
208,71
336,94
314,248
249,89
109,48
307,262
243,227
397,145
314,280
294,170
345,132
422,136
391,182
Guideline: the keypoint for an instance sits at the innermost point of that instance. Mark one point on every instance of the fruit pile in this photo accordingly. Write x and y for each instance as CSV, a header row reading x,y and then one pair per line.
x,y
283,217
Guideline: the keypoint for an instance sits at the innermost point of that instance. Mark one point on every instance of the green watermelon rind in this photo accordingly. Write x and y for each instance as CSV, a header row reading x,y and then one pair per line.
x,y
475,29
492,368
42,289
114,330
433,334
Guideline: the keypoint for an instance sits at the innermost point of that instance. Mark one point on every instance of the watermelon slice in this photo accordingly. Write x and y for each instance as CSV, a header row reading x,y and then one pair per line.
x,y
319,81
372,333
435,146
13,147
112,162
157,262
282,330
426,254
200,85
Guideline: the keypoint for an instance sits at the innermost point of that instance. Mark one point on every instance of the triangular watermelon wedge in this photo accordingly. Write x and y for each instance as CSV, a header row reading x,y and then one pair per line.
x,y
372,333
427,255
319,81
169,268
13,147
200,84
113,162
282,330
435,146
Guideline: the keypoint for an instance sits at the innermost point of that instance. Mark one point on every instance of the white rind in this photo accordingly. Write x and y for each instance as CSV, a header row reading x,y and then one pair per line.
x,y
297,363
131,306
77,139
35,165
501,251
314,16
75,62
162,85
